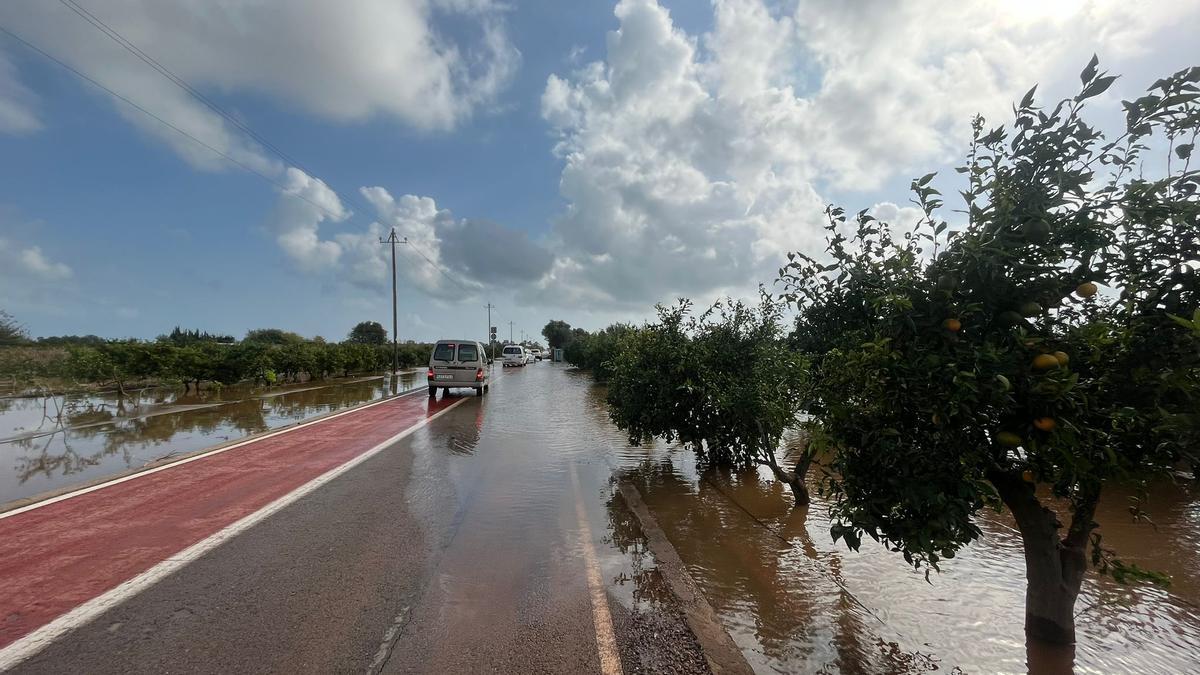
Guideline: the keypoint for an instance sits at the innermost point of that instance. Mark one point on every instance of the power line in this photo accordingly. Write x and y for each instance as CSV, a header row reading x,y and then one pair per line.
x,y
162,121
132,48
436,266
183,84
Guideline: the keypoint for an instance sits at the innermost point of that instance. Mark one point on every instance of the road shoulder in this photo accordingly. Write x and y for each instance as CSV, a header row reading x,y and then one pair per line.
x,y
721,654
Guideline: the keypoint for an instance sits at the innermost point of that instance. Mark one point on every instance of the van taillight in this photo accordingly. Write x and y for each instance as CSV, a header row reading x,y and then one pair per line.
x,y
479,374
429,375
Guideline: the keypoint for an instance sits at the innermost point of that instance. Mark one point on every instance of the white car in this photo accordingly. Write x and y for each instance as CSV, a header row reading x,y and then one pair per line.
x,y
537,353
514,355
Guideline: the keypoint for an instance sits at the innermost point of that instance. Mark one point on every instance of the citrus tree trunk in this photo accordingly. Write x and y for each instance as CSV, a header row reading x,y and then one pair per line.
x,y
1054,564
795,477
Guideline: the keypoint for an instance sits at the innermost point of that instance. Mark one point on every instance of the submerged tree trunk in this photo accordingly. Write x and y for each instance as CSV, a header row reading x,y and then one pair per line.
x,y
795,477
1054,564
769,444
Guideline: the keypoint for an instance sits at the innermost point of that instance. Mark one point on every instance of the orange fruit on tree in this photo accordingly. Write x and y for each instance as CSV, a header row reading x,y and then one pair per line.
x,y
952,325
1045,362
1086,290
1027,476
1062,358
1045,423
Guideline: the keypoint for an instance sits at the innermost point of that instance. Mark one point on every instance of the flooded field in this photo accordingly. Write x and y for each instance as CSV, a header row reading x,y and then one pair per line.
x,y
796,602
55,442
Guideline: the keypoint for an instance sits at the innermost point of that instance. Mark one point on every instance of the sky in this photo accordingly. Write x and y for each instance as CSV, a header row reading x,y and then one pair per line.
x,y
558,160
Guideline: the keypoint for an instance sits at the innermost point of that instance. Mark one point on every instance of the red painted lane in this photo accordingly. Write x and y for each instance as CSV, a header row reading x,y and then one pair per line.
x,y
54,558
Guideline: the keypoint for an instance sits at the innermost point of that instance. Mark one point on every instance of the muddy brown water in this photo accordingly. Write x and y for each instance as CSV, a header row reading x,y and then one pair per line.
x,y
796,602
50,443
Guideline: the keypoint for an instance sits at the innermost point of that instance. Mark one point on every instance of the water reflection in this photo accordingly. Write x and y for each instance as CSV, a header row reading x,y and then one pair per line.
x,y
53,442
625,534
796,602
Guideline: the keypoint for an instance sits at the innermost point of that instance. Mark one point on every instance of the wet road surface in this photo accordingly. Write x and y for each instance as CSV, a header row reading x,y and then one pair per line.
x,y
475,544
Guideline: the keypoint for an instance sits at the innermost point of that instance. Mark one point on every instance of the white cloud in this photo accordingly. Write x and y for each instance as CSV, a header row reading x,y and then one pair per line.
x,y
445,257
414,218
30,280
677,183
899,82
17,114
471,254
30,264
691,164
305,203
33,261
345,61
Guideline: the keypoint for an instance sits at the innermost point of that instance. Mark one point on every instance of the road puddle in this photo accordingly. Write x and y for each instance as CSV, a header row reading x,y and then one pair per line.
x,y
50,443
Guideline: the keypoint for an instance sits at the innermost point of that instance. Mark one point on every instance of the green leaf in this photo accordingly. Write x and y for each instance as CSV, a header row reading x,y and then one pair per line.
x,y
1097,87
1192,325
1090,71
1178,99
1027,100
1183,151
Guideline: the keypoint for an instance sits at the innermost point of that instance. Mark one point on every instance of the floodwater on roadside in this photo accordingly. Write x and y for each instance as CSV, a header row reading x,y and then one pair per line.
x,y
49,443
794,601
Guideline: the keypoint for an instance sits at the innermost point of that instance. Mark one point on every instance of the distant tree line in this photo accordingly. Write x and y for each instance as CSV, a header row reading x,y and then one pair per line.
x,y
181,336
192,357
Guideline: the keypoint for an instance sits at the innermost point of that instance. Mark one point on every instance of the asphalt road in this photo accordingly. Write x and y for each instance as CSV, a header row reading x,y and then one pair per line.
x,y
474,544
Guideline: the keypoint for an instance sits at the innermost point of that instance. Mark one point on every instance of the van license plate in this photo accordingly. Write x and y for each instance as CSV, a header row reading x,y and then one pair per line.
x,y
445,376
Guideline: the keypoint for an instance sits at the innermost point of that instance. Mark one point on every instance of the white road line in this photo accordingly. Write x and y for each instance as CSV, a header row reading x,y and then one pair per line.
x,y
606,641
193,458
41,638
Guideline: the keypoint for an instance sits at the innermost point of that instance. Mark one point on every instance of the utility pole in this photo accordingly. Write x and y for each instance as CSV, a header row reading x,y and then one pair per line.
x,y
491,333
392,240
510,332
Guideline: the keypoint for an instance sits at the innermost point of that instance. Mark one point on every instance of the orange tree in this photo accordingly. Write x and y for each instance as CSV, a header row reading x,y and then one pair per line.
x,y
956,369
723,384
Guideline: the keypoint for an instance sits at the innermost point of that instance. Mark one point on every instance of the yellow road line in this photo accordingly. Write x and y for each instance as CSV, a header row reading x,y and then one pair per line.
x,y
606,641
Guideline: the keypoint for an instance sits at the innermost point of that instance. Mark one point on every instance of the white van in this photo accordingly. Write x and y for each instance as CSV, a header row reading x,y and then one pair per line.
x,y
514,355
458,363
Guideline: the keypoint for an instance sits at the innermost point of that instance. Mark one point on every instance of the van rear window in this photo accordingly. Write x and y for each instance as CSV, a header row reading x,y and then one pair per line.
x,y
468,353
512,350
443,352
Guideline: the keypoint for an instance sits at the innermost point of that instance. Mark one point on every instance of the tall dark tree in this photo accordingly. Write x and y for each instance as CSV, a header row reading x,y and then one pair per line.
x,y
557,333
368,333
